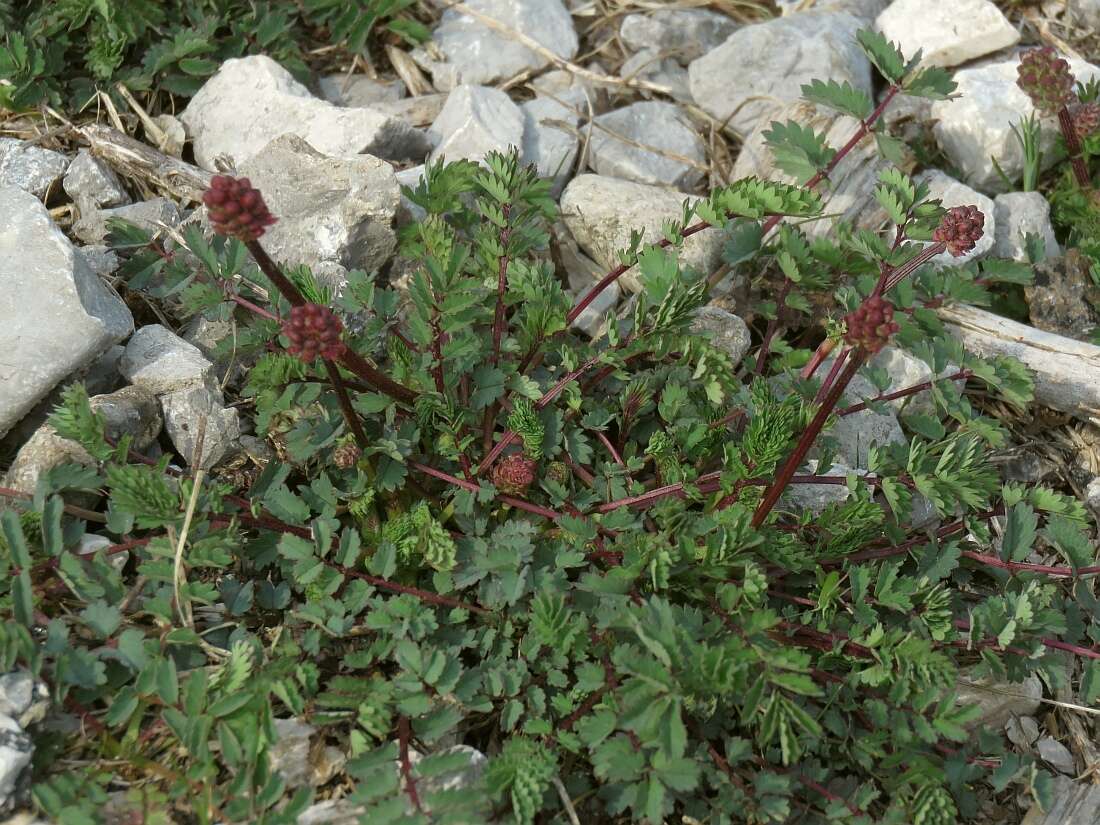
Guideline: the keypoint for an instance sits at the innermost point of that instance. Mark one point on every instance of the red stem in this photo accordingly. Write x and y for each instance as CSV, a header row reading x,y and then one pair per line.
x,y
406,765
824,349
353,422
502,287
831,375
1073,149
794,461
510,437
357,364
902,393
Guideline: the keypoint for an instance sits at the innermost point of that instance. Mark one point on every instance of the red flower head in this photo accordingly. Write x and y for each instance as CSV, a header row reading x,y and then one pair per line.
x,y
513,474
236,210
314,330
1046,79
871,324
1086,118
961,229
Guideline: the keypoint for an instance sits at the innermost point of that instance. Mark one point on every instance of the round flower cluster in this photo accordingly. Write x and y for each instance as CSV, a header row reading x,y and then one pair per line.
x,y
871,324
346,455
1085,117
513,474
1046,79
961,229
314,331
236,210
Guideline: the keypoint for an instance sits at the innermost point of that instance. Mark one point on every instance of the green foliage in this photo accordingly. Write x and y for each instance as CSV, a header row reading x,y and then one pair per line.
x,y
56,50
635,633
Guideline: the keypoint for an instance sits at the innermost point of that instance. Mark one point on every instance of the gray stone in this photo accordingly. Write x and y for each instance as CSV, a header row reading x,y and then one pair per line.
x,y
976,128
174,134
89,180
332,812
475,121
56,316
953,193
129,411
999,702
466,51
331,210
1018,214
1084,14
360,90
761,68
150,215
101,259
29,167
726,331
857,174
601,212
207,334
160,361
1028,467
454,779
1063,298
905,371
16,693
650,66
865,10
1022,731
1075,803
816,497
290,753
856,433
616,149
16,751
1057,755
549,140
685,34
253,100
946,33
592,318
183,411
1092,497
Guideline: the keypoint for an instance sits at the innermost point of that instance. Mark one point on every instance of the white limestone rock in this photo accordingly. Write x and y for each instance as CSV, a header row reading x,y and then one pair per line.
x,y
683,34
30,167
947,34
761,68
253,100
475,121
185,408
660,125
549,140
1018,214
333,212
975,128
90,180
466,51
601,212
953,193
728,332
150,215
160,361
56,316
359,90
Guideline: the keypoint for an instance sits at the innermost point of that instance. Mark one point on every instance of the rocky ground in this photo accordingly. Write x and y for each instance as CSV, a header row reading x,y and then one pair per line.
x,y
629,108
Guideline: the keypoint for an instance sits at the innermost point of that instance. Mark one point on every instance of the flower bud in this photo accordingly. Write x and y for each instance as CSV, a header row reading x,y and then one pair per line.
x,y
236,210
513,474
314,331
961,229
1046,79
